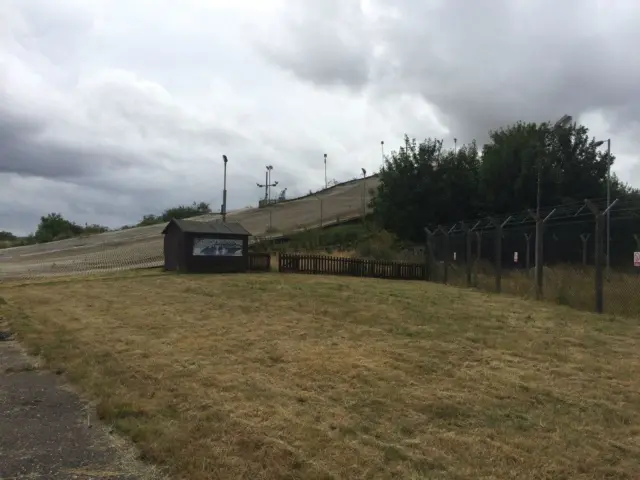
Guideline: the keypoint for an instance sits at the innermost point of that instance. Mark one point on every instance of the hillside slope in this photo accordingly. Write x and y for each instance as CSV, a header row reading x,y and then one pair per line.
x,y
142,246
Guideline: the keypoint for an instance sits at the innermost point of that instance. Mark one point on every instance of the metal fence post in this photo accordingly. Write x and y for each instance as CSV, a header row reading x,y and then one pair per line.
x,y
468,254
599,260
445,270
478,257
498,252
527,261
430,255
539,251
585,238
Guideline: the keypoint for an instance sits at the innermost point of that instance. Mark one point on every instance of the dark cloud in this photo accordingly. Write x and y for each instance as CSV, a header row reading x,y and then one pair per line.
x,y
27,151
109,113
485,64
323,42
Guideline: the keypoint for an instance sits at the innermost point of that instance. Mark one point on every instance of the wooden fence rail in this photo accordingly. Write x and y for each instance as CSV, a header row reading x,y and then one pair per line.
x,y
328,265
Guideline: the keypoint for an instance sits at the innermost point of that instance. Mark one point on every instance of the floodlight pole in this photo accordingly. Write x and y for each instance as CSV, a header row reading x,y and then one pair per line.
x,y
325,171
608,208
224,190
364,194
608,217
267,184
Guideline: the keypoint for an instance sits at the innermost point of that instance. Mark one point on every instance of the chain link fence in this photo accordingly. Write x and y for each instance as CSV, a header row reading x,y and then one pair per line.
x,y
499,255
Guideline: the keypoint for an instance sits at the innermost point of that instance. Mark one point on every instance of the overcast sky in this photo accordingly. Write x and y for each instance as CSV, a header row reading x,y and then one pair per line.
x,y
110,109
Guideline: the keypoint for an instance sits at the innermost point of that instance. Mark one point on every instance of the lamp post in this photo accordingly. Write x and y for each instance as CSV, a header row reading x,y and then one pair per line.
x,y
321,212
364,193
267,184
455,145
564,120
599,144
269,168
325,171
382,151
223,210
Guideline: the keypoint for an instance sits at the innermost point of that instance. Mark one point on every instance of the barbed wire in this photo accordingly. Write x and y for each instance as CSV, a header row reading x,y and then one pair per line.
x,y
563,214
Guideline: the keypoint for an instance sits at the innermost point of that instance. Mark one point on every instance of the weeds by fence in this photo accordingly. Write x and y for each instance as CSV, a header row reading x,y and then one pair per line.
x,y
328,265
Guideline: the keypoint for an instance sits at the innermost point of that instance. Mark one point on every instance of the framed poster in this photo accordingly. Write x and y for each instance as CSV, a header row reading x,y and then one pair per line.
x,y
217,247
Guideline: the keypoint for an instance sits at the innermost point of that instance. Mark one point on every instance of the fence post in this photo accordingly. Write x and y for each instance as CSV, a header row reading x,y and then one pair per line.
x,y
539,251
584,237
599,234
527,261
467,256
498,253
429,255
478,256
445,269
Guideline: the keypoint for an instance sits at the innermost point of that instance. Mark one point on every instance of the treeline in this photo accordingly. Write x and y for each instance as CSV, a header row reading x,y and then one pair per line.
x,y
423,184
181,211
55,227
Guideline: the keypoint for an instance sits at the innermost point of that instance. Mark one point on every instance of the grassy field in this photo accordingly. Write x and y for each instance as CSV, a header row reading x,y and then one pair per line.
x,y
292,376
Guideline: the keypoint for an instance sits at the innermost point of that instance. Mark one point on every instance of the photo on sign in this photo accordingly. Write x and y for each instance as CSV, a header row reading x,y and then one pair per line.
x,y
217,247
636,259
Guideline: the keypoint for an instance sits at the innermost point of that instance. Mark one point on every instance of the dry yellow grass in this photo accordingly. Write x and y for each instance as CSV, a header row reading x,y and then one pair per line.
x,y
569,285
292,376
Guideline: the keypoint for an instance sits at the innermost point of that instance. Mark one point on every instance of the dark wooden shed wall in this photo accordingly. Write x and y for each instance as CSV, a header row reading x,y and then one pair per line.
x,y
178,253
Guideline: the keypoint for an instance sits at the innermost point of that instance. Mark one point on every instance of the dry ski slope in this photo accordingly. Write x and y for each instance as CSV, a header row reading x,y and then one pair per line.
x,y
142,246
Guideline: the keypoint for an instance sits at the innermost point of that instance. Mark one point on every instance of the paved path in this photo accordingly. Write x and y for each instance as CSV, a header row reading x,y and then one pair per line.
x,y
46,432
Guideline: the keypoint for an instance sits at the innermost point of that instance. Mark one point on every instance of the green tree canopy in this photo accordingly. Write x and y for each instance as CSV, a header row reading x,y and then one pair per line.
x,y
423,184
6,236
572,167
55,227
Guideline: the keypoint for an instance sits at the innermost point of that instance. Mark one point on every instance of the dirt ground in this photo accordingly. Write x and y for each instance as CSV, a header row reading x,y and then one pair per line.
x,y
47,432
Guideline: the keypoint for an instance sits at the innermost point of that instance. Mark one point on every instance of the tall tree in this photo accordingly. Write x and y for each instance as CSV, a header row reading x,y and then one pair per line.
x,y
572,167
55,227
422,184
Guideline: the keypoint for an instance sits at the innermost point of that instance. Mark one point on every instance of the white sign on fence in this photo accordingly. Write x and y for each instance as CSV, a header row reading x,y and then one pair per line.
x,y
515,257
217,247
454,255
636,259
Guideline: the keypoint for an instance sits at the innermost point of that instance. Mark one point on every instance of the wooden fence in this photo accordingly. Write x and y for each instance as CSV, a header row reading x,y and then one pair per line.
x,y
328,265
259,262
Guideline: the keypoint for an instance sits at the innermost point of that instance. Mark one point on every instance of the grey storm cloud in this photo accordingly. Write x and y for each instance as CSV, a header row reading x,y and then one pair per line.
x,y
481,64
27,151
110,110
324,41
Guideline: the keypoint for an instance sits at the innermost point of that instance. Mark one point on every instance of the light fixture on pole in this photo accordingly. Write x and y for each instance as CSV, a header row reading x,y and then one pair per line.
x,y
325,171
223,210
364,193
269,168
563,121
267,184
608,256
